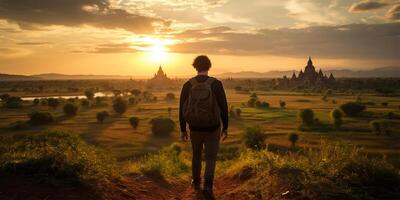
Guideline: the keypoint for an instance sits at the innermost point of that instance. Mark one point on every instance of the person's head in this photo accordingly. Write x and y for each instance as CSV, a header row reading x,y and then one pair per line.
x,y
202,63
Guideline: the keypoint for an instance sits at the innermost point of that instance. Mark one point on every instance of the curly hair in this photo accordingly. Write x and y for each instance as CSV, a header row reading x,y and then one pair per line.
x,y
202,63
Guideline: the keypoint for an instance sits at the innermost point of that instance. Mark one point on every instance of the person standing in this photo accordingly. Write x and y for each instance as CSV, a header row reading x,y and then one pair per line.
x,y
203,106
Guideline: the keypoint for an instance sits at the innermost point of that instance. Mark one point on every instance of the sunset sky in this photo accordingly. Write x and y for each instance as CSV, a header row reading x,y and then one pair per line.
x,y
133,37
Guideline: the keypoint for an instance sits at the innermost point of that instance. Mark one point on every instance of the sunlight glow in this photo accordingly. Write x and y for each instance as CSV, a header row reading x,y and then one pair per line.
x,y
155,49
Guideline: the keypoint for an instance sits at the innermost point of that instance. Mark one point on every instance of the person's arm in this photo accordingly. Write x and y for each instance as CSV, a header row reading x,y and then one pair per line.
x,y
222,103
183,97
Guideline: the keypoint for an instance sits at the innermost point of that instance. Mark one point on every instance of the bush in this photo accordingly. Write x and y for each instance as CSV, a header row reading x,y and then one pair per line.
x,y
56,158
282,104
134,121
89,94
262,104
337,117
254,138
101,116
70,109
170,96
36,102
252,102
132,101
99,101
380,127
53,103
307,117
162,126
352,109
40,118
85,103
238,112
120,106
4,97
13,102
293,138
136,92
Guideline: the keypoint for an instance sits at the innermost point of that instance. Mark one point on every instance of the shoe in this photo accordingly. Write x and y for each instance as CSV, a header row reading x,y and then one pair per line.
x,y
196,183
208,193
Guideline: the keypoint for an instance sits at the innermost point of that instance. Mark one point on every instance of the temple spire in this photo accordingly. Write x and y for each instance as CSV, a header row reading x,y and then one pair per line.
x,y
309,61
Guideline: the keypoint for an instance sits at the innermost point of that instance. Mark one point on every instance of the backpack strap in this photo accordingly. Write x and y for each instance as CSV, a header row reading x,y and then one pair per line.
x,y
193,81
210,80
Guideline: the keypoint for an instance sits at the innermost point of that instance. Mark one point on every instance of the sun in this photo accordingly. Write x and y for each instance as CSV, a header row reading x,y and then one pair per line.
x,y
158,53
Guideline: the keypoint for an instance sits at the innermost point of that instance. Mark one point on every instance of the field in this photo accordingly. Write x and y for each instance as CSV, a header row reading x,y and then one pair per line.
x,y
128,145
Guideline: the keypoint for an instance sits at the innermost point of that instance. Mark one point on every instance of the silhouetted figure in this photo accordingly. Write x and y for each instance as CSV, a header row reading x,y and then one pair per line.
x,y
203,106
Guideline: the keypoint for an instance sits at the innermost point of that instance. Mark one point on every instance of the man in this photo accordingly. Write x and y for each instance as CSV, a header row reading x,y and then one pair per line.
x,y
203,106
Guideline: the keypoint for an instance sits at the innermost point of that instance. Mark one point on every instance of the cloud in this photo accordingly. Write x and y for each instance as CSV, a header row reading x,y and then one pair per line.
x,y
394,12
362,41
110,48
6,52
218,17
34,43
30,14
367,5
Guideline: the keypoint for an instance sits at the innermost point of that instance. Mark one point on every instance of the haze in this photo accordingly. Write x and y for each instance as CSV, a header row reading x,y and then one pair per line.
x,y
134,37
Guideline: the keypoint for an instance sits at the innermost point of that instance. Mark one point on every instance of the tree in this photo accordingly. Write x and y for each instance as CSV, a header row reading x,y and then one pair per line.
x,y
36,102
170,96
13,102
134,121
293,138
132,101
89,94
117,93
282,104
136,92
337,117
307,116
120,105
380,127
162,126
40,118
101,116
53,103
70,109
251,102
4,97
253,137
85,103
352,108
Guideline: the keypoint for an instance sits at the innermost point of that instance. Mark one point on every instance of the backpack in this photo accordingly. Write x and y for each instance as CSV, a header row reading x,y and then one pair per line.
x,y
201,109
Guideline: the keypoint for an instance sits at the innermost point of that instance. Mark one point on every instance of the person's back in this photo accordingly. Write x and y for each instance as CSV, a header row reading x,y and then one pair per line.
x,y
203,106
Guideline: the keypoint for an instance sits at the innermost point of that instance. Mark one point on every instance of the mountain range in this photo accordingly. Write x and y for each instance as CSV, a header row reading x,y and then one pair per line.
x,y
385,72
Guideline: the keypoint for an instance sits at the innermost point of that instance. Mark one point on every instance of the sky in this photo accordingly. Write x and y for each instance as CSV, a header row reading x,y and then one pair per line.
x,y
134,37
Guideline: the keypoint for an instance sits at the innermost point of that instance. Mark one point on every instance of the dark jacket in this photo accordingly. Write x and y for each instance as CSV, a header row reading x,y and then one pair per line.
x,y
220,96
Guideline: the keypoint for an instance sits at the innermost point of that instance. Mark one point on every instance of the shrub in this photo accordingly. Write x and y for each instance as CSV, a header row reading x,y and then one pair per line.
x,y
56,158
135,92
170,96
13,102
337,117
132,101
89,94
117,93
120,106
352,109
4,97
36,102
53,103
293,138
282,104
307,116
254,96
85,103
99,101
101,116
238,112
70,109
162,126
40,118
262,104
251,102
380,127
254,138
134,121
43,102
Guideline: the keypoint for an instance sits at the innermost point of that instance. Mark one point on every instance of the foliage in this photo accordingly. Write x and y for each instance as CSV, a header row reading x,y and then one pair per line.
x,y
352,109
101,116
136,92
170,96
337,117
252,102
262,104
132,101
168,163
380,127
162,126
53,102
55,158
36,102
307,116
238,112
134,121
335,171
40,118
254,137
293,138
120,105
89,94
70,109
12,102
282,104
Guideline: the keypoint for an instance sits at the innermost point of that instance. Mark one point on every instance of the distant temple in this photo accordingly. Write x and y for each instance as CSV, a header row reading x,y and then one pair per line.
x,y
160,78
309,77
